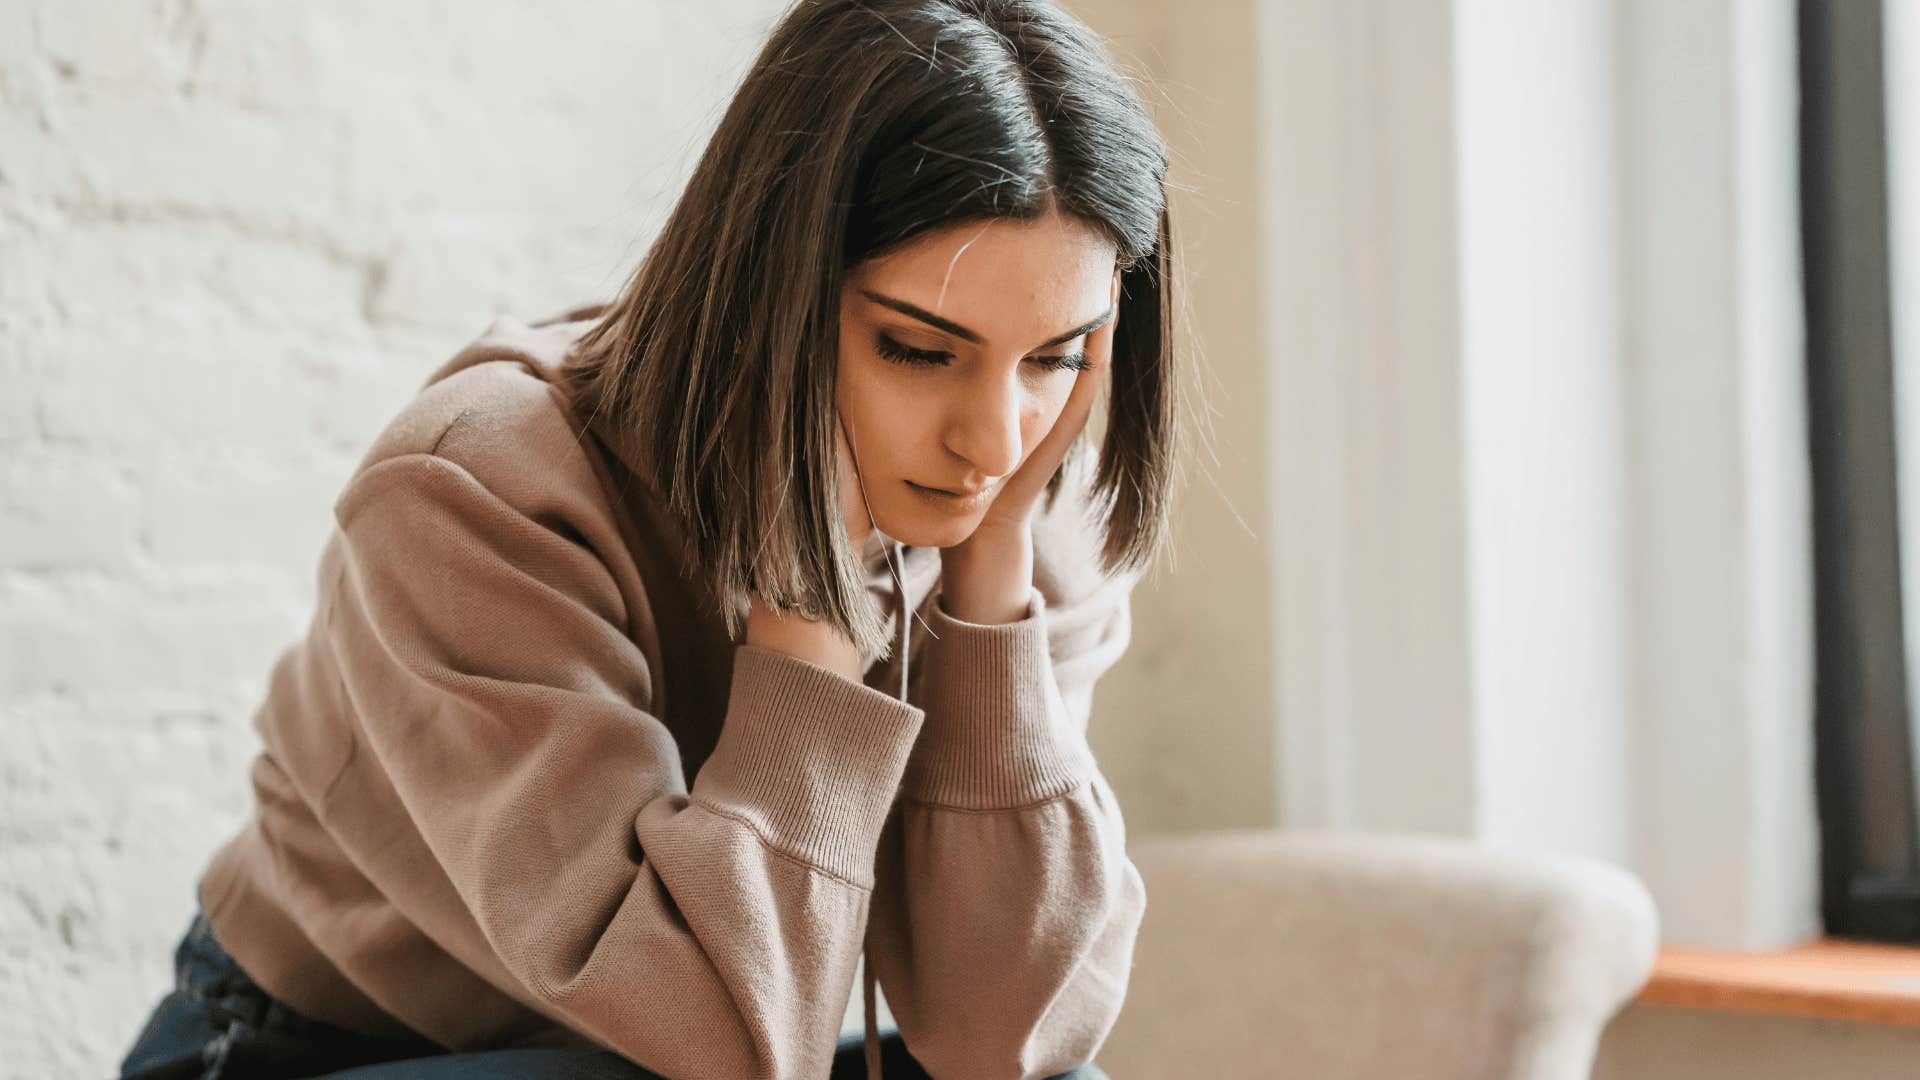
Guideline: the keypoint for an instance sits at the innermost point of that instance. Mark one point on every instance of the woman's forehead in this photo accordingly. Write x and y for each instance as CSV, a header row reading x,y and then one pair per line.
x,y
1014,282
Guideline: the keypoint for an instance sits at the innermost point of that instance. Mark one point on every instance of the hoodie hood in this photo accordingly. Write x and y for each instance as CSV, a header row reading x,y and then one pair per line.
x,y
543,346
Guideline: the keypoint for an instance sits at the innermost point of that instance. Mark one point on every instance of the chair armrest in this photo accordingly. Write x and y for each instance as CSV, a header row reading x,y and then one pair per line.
x,y
1332,955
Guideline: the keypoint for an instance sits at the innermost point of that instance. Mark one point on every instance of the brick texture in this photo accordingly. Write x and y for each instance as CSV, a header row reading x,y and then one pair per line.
x,y
234,238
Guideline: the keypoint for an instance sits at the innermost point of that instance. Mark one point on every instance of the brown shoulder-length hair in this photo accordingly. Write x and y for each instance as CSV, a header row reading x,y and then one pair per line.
x,y
861,124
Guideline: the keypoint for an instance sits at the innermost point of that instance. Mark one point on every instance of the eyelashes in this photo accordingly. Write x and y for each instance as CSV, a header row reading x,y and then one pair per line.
x,y
908,356
902,354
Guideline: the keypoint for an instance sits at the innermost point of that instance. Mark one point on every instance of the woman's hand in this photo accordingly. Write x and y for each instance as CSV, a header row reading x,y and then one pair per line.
x,y
812,640
1014,504
985,577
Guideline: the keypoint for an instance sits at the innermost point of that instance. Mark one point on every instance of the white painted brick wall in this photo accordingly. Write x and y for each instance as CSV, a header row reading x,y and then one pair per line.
x,y
234,237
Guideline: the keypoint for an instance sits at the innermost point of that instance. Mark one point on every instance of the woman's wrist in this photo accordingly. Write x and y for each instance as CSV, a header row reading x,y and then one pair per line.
x,y
987,578
815,641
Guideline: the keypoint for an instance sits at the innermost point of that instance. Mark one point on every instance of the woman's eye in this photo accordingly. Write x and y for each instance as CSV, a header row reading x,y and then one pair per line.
x,y
1070,362
887,347
904,354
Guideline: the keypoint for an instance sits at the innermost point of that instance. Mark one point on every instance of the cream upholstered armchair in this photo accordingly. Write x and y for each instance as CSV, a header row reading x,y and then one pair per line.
x,y
1327,956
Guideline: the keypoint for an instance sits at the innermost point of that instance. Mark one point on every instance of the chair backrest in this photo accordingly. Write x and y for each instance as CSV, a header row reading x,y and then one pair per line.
x,y
1334,955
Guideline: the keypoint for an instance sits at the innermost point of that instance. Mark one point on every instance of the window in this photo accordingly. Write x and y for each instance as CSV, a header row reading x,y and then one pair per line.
x,y
1864,439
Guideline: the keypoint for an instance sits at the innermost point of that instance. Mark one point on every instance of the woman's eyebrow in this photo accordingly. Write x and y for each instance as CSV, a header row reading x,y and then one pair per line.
x,y
965,334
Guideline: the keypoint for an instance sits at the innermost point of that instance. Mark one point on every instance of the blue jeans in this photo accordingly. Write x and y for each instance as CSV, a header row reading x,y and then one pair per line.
x,y
218,1024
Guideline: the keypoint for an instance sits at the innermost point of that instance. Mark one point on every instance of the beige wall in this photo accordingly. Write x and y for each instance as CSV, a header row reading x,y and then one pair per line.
x,y
1645,1043
1184,724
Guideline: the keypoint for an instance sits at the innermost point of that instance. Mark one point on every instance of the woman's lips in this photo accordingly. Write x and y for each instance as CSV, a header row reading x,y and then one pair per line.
x,y
949,499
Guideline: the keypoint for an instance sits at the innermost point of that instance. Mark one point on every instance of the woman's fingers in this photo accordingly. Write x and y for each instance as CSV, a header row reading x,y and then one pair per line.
x,y
1046,457
1086,388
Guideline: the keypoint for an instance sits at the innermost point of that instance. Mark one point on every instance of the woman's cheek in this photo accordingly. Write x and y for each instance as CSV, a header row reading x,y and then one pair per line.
x,y
872,402
903,421
1039,421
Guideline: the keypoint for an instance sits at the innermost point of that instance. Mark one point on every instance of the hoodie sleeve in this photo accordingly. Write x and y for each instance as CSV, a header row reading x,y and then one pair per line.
x,y
1006,908
710,931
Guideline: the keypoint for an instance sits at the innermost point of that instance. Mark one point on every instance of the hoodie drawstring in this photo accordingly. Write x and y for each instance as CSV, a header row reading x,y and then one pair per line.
x,y
902,632
873,1039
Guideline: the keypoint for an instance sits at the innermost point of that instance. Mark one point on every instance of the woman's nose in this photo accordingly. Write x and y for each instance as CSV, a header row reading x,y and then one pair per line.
x,y
985,425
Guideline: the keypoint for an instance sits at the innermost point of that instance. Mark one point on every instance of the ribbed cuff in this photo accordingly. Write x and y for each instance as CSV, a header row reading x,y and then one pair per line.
x,y
811,758
996,734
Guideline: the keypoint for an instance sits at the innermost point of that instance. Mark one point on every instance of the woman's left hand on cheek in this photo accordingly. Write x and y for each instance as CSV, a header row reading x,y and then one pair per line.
x,y
985,578
1014,504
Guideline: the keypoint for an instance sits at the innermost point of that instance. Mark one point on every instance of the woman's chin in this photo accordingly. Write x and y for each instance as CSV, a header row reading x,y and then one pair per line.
x,y
928,530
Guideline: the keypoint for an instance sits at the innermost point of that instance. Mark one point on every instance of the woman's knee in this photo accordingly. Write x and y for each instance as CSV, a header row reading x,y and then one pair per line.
x,y
526,1063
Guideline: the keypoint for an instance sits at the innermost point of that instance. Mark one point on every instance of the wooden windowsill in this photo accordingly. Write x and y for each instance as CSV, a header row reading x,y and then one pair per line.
x,y
1828,977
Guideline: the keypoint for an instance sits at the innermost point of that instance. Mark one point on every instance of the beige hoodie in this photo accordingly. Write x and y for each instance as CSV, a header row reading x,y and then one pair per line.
x,y
518,786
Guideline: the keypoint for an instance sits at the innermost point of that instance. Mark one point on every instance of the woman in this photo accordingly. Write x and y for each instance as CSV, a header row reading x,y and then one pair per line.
x,y
600,758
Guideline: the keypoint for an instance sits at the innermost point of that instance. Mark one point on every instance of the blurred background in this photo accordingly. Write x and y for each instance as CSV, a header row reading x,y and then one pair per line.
x,y
1560,361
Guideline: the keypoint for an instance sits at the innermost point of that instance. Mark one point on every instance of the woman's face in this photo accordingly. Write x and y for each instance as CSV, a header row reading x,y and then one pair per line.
x,y
957,352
